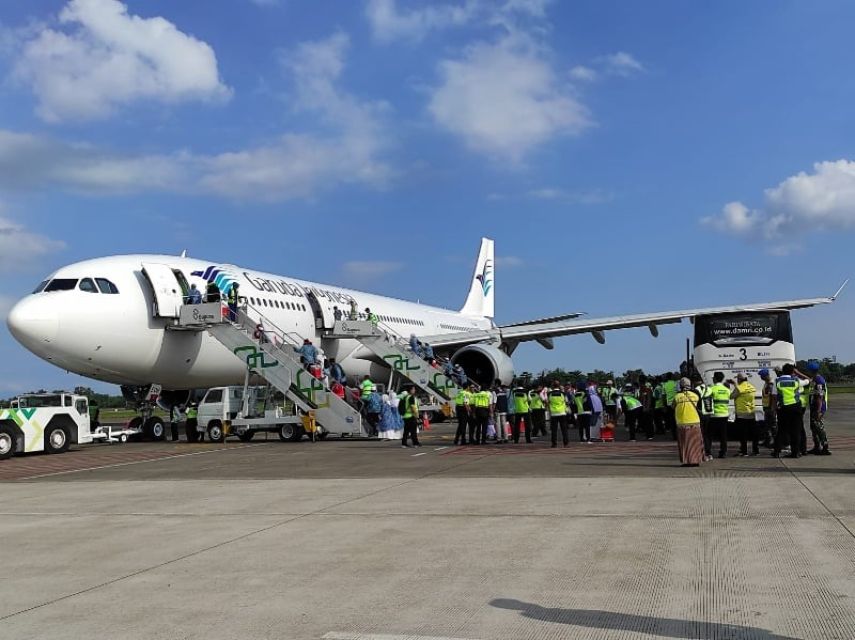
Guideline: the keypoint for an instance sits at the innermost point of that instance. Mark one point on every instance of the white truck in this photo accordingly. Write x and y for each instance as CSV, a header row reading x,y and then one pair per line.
x,y
44,422
243,411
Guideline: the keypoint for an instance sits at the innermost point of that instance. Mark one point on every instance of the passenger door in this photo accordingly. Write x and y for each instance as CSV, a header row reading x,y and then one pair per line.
x,y
168,294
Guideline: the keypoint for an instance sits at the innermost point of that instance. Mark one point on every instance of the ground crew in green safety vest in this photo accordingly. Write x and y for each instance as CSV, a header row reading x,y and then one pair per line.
x,y
191,423
481,402
373,318
705,410
558,414
521,414
583,411
631,406
659,408
463,411
233,299
410,414
790,386
536,403
365,388
721,411
669,386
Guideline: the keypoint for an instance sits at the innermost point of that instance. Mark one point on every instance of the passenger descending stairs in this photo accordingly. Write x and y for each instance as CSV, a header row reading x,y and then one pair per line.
x,y
280,366
395,351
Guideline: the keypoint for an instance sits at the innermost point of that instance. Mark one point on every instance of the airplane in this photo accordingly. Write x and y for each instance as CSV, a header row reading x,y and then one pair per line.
x,y
114,319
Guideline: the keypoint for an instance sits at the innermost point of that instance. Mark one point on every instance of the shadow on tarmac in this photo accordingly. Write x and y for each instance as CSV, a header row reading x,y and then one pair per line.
x,y
667,627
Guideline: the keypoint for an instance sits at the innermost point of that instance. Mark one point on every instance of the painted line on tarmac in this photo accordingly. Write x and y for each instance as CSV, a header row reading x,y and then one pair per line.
x,y
339,635
416,455
440,448
126,464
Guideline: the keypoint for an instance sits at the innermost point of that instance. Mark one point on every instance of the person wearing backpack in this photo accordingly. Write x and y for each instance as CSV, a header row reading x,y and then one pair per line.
x,y
408,406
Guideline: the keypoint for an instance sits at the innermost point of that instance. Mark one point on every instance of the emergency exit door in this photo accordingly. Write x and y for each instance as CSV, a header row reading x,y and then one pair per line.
x,y
167,289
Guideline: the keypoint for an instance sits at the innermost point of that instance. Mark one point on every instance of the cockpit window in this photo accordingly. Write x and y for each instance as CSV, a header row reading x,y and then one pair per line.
x,y
87,285
106,286
61,284
41,286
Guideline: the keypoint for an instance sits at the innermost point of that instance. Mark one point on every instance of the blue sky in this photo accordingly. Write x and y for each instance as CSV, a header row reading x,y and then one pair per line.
x,y
625,156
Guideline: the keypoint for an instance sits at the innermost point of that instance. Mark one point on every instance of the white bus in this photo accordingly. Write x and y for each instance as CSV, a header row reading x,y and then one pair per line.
x,y
743,342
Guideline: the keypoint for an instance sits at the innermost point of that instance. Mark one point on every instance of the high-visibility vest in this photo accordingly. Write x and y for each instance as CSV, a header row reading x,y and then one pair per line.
x,y
685,408
631,401
233,297
658,397
412,406
535,401
744,401
705,394
721,400
580,398
482,400
464,397
609,395
670,389
374,319
192,413
557,403
803,399
789,391
521,402
366,387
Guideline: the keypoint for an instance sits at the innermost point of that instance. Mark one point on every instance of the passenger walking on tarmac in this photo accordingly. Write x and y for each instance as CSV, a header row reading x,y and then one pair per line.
x,y
337,314
194,296
746,421
610,401
478,427
500,411
521,415
596,411
463,411
818,391
688,421
705,410
233,300
408,406
308,353
790,386
583,412
769,401
631,406
537,406
558,414
373,409
721,411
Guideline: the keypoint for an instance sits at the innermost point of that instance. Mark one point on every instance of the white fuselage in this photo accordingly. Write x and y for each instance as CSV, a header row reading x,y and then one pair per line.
x,y
117,338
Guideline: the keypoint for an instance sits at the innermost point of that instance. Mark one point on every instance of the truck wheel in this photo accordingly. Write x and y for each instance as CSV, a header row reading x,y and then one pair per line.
x,y
123,438
246,436
191,433
155,429
215,431
290,432
57,440
7,442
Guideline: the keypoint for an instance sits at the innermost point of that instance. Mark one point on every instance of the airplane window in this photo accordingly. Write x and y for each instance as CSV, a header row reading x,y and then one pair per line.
x,y
87,285
264,301
61,284
41,286
106,286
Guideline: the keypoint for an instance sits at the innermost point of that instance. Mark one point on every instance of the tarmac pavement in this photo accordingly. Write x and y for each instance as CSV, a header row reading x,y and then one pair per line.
x,y
366,540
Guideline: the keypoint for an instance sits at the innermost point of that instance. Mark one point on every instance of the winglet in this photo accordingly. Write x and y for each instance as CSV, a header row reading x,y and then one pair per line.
x,y
482,292
845,282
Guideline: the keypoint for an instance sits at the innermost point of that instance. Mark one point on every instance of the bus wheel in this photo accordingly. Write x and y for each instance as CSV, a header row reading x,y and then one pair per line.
x,y
7,442
290,432
246,436
57,440
154,428
215,431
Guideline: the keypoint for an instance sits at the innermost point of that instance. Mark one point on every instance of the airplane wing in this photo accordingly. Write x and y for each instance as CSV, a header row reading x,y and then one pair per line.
x,y
543,331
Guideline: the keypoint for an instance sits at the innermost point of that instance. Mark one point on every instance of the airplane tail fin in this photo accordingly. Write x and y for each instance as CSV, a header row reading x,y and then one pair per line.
x,y
482,294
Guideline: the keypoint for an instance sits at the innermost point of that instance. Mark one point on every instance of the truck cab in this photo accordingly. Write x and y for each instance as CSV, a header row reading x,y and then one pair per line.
x,y
44,422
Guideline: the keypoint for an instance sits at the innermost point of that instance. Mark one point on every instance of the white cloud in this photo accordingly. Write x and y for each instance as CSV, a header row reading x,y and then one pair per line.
x,y
821,200
583,73
21,249
621,64
365,269
504,99
585,196
388,23
291,165
509,262
101,57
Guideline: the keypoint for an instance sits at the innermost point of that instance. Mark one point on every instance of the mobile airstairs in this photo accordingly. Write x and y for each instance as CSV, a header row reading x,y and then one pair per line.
x,y
269,352
394,351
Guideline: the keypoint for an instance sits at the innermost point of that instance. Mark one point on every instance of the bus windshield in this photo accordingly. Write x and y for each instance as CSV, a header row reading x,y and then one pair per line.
x,y
747,328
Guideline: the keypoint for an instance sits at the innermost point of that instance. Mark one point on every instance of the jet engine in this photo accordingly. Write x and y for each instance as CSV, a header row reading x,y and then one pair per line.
x,y
485,364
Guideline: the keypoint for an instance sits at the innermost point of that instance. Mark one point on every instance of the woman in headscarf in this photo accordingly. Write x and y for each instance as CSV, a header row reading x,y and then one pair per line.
x,y
689,439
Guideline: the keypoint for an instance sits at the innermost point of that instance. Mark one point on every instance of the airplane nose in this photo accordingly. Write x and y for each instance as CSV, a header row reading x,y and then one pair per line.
x,y
34,322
